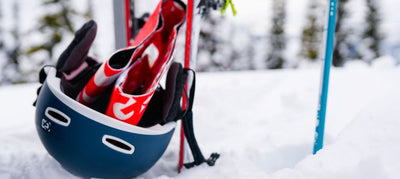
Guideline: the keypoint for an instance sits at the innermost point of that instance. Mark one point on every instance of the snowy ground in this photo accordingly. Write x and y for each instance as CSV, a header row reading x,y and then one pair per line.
x,y
261,122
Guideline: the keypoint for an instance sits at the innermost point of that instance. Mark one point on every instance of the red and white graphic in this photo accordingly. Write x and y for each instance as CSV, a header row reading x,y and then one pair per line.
x,y
104,77
152,58
126,107
124,111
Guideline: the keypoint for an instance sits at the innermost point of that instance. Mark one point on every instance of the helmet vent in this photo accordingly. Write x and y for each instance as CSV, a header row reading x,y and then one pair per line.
x,y
118,144
57,116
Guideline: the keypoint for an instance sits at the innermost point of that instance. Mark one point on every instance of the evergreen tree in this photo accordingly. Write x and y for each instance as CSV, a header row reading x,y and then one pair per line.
x,y
340,52
276,59
11,72
371,36
222,46
312,33
21,64
213,50
54,25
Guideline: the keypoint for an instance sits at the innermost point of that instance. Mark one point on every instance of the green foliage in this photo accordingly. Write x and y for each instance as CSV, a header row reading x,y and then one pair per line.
x,y
312,33
54,26
22,64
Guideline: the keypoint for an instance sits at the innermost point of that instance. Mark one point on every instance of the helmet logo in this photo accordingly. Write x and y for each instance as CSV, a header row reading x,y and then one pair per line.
x,y
46,125
124,111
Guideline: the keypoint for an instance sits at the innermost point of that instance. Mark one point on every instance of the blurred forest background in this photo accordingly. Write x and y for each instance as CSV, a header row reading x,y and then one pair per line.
x,y
224,44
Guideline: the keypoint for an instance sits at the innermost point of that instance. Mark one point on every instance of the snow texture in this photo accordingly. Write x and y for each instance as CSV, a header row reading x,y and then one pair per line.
x,y
261,122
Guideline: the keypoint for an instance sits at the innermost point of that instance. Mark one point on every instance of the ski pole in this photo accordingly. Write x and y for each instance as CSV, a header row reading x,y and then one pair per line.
x,y
189,47
320,127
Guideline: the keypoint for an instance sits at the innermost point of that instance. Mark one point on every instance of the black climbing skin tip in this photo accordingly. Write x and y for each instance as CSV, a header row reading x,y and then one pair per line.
x,y
210,161
77,50
213,158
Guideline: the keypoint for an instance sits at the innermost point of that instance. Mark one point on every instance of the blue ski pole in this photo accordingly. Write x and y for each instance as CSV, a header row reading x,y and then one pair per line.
x,y
320,127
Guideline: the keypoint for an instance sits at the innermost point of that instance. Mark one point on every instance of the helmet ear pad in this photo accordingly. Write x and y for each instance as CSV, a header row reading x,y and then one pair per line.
x,y
165,105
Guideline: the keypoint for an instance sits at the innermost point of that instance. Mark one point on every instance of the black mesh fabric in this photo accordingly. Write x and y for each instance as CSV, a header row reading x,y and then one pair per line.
x,y
175,83
165,104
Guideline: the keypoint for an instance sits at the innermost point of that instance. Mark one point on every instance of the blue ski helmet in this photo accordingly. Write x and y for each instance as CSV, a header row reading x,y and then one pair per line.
x,y
88,143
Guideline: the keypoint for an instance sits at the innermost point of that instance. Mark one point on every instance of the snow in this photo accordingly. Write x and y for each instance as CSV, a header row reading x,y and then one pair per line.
x,y
261,122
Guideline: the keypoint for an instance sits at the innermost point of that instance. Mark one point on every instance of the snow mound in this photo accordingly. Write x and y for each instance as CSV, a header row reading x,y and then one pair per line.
x,y
384,62
366,148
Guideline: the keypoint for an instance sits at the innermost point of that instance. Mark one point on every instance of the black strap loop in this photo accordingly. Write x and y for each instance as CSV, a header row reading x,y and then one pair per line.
x,y
187,121
42,78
